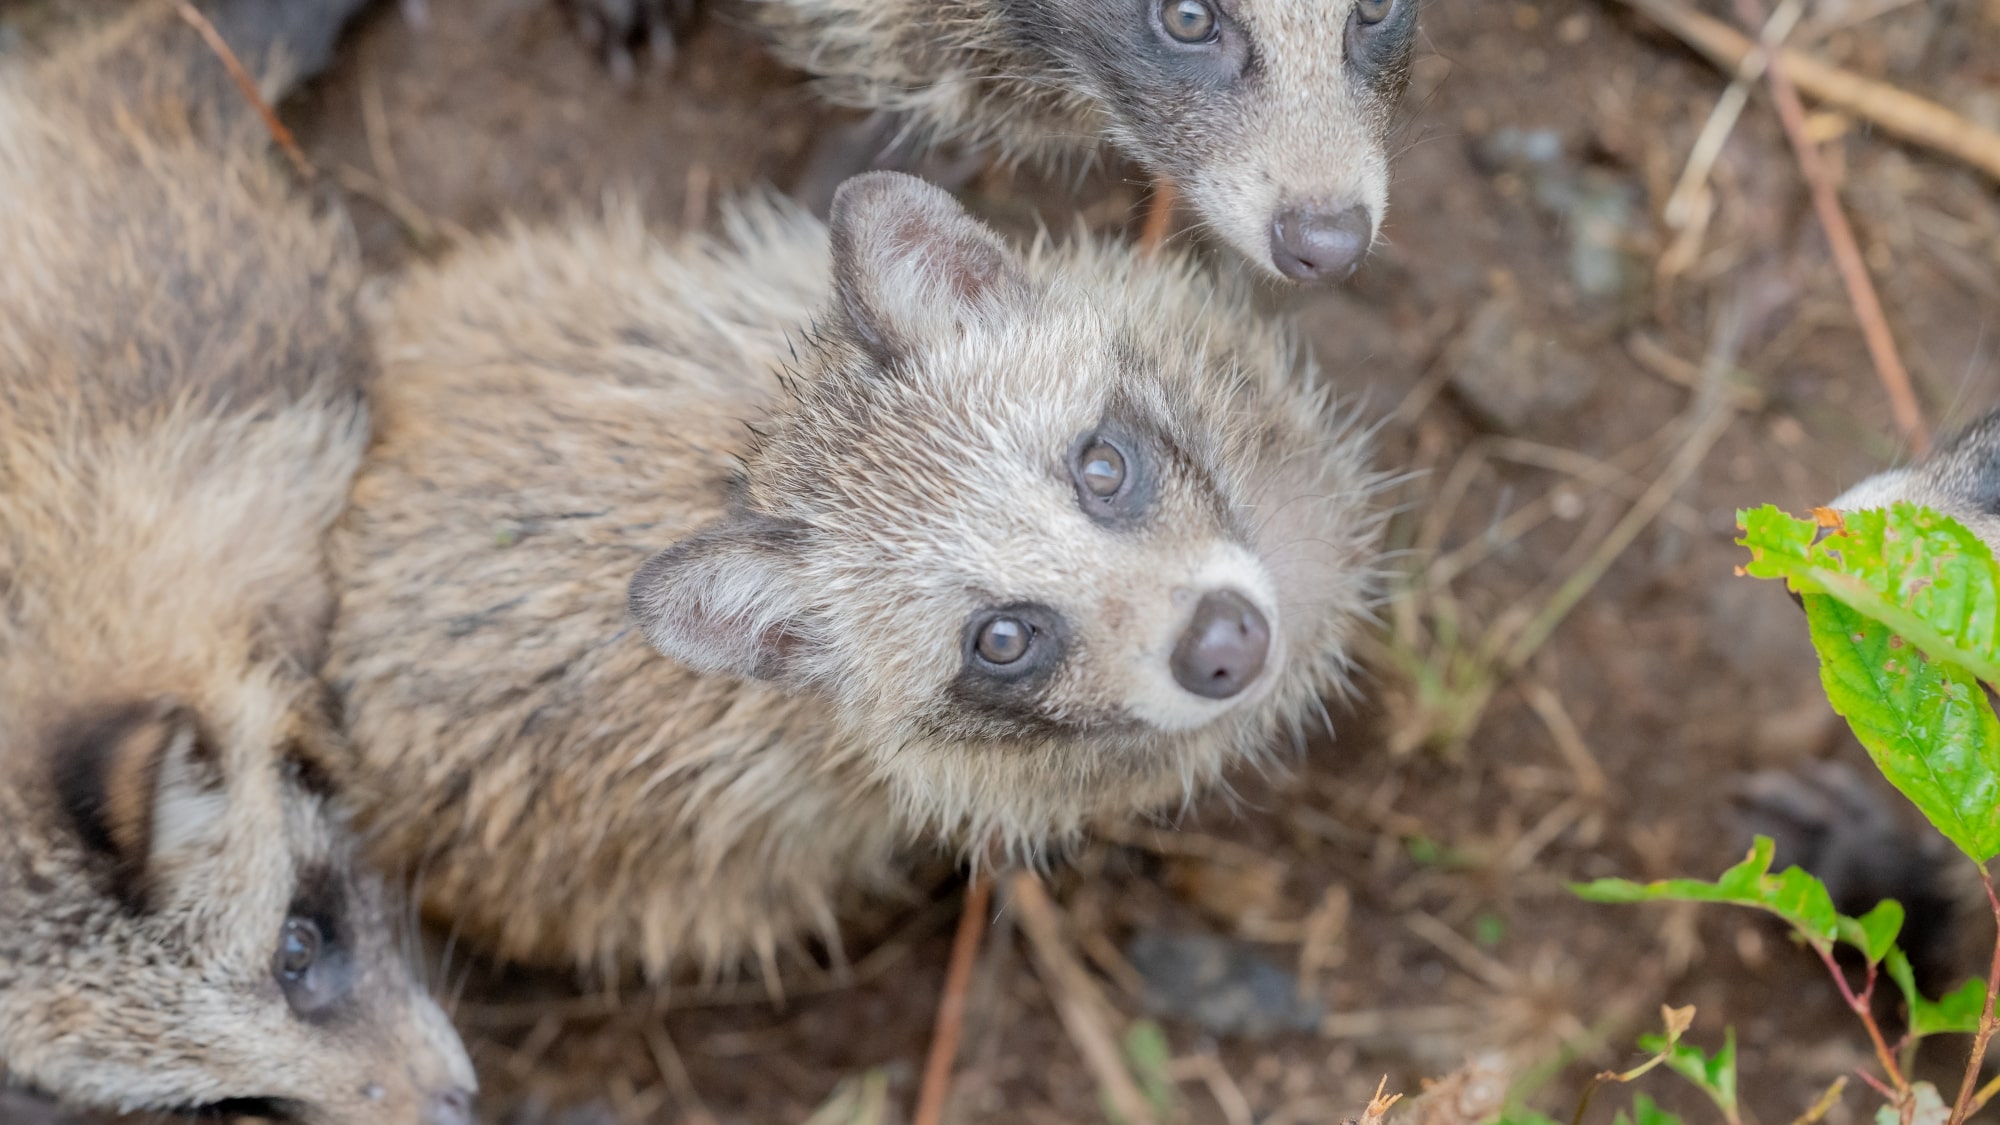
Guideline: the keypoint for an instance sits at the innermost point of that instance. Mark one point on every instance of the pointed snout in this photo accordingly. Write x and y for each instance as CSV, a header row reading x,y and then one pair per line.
x,y
1321,245
1224,648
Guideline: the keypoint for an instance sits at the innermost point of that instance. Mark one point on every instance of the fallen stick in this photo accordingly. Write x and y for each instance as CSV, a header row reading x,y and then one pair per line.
x,y
1159,215
972,920
246,85
1895,378
1078,1001
1896,111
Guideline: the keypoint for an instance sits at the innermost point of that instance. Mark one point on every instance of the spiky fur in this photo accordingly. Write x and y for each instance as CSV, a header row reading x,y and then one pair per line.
x,y
180,414
559,404
1298,121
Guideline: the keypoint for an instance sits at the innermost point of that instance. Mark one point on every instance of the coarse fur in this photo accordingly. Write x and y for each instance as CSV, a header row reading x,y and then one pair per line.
x,y
1287,108
858,446
181,412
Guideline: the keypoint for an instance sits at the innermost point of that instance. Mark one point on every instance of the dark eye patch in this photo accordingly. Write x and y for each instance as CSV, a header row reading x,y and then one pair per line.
x,y
1007,696
312,960
1113,474
1381,35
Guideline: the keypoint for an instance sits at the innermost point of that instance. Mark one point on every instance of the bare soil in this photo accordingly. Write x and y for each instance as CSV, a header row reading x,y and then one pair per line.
x,y
1513,330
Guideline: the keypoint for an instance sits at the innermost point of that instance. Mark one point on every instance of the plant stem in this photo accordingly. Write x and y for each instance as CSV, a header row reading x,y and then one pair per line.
x,y
1963,1107
1859,1006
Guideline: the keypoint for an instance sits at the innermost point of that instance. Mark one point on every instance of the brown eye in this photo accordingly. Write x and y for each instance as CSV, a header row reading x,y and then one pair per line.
x,y
1102,469
1373,11
298,948
1004,640
1188,21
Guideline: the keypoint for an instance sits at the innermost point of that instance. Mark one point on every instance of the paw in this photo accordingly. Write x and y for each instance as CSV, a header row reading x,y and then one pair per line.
x,y
618,31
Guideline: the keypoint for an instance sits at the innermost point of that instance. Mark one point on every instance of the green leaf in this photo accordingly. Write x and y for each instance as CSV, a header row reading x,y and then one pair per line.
x,y
1918,571
1151,1057
1954,1012
1927,724
1646,1112
1715,1075
1793,895
1874,933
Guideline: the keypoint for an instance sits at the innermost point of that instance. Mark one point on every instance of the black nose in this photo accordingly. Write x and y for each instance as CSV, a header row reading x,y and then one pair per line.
x,y
1317,246
453,1107
1224,646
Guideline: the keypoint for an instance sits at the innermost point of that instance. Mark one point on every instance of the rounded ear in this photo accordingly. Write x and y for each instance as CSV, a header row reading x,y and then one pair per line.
x,y
909,264
144,789
729,600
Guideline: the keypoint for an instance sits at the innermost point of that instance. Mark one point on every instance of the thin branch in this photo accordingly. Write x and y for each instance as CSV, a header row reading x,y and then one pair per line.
x,y
1966,1087
247,85
1896,111
1861,293
1077,999
1159,215
972,922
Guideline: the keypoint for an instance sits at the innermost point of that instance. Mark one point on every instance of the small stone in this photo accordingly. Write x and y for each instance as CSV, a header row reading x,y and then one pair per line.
x,y
1513,375
1219,984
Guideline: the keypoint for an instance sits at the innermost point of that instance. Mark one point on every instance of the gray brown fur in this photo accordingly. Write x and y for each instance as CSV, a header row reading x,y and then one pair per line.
x,y
1290,108
852,448
180,413
1961,478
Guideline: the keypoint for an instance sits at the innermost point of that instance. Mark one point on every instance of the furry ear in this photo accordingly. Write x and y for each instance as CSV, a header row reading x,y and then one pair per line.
x,y
142,786
729,600
910,265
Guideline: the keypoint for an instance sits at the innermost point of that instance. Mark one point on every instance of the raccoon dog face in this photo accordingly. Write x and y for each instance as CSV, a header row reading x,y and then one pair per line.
x,y
1050,541
243,962
1272,115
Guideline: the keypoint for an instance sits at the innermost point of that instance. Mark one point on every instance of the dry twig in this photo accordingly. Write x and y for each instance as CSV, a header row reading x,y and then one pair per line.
x,y
1159,215
1897,112
1840,236
1077,999
951,1006
247,85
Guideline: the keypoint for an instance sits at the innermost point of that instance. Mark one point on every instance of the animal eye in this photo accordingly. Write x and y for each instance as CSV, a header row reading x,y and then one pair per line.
x,y
1004,640
1188,21
1101,468
298,949
1373,11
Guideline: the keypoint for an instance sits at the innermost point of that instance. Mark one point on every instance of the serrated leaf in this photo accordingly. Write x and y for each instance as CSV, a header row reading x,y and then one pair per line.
x,y
1793,894
1918,571
1927,724
1874,933
1715,1075
1931,1109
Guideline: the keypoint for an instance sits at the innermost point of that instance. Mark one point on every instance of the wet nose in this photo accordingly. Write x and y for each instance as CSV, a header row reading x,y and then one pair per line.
x,y
453,1107
1224,647
1317,246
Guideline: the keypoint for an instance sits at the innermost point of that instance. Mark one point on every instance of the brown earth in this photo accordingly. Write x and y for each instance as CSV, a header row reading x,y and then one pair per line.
x,y
1515,329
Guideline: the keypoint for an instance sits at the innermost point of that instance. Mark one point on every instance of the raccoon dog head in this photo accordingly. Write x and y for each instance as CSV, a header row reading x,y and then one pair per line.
x,y
236,959
1272,115
1059,535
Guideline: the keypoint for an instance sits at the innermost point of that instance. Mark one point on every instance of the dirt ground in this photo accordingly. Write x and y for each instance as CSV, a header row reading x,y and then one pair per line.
x,y
1528,332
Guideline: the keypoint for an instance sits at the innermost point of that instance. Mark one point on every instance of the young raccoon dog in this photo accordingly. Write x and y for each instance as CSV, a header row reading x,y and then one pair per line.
x,y
180,416
964,546
1272,116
